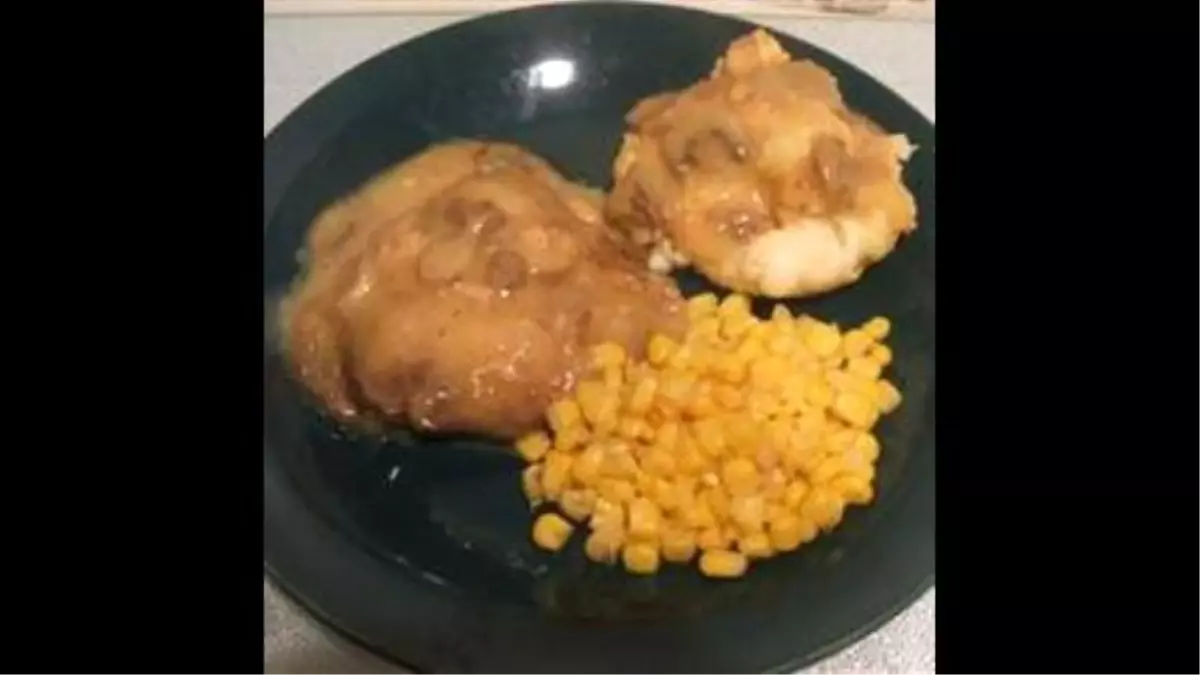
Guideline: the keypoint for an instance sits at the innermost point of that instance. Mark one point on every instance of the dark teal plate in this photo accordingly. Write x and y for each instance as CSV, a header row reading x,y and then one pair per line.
x,y
419,549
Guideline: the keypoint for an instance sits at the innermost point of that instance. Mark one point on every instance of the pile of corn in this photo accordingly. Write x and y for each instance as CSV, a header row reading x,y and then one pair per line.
x,y
740,443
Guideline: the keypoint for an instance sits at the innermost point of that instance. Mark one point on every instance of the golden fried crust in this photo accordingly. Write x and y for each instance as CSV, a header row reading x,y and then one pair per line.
x,y
761,177
459,290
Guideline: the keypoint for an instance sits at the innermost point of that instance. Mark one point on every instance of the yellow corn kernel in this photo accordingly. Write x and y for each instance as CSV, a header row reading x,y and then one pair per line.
x,y
616,490
682,359
761,405
689,460
834,362
703,355
664,493
741,433
844,380
689,481
608,354
599,404
702,405
586,467
701,305
823,507
667,436
551,531
794,456
645,519
865,447
603,546
740,476
822,339
827,470
563,414
723,564
812,423
819,394
881,354
627,427
698,515
864,367
878,328
674,390
734,304
531,483
711,538
728,396
750,350
635,428
734,327
607,422
571,438
780,314
794,494
781,344
789,531
678,545
660,462
607,515
792,400
804,460
855,343
644,484
730,368
855,409
589,396
556,473
863,471
887,396
779,433
802,357
854,488
718,502
705,331
758,330
748,512
756,545
640,558
766,459
577,504
643,395
660,349
635,371
534,446
614,377
767,372
776,482
685,488
710,436
840,439
776,510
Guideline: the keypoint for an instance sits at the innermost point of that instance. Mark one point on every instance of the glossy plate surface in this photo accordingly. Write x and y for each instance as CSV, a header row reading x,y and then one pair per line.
x,y
418,549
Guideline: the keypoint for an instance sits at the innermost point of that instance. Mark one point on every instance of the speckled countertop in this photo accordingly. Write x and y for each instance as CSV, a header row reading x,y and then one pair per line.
x,y
302,54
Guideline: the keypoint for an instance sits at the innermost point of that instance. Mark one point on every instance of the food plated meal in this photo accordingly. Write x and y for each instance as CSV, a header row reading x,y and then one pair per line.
x,y
422,545
472,288
741,442
459,290
761,177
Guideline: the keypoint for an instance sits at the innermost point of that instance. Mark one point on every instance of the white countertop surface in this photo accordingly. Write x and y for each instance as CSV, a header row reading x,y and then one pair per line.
x,y
302,54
